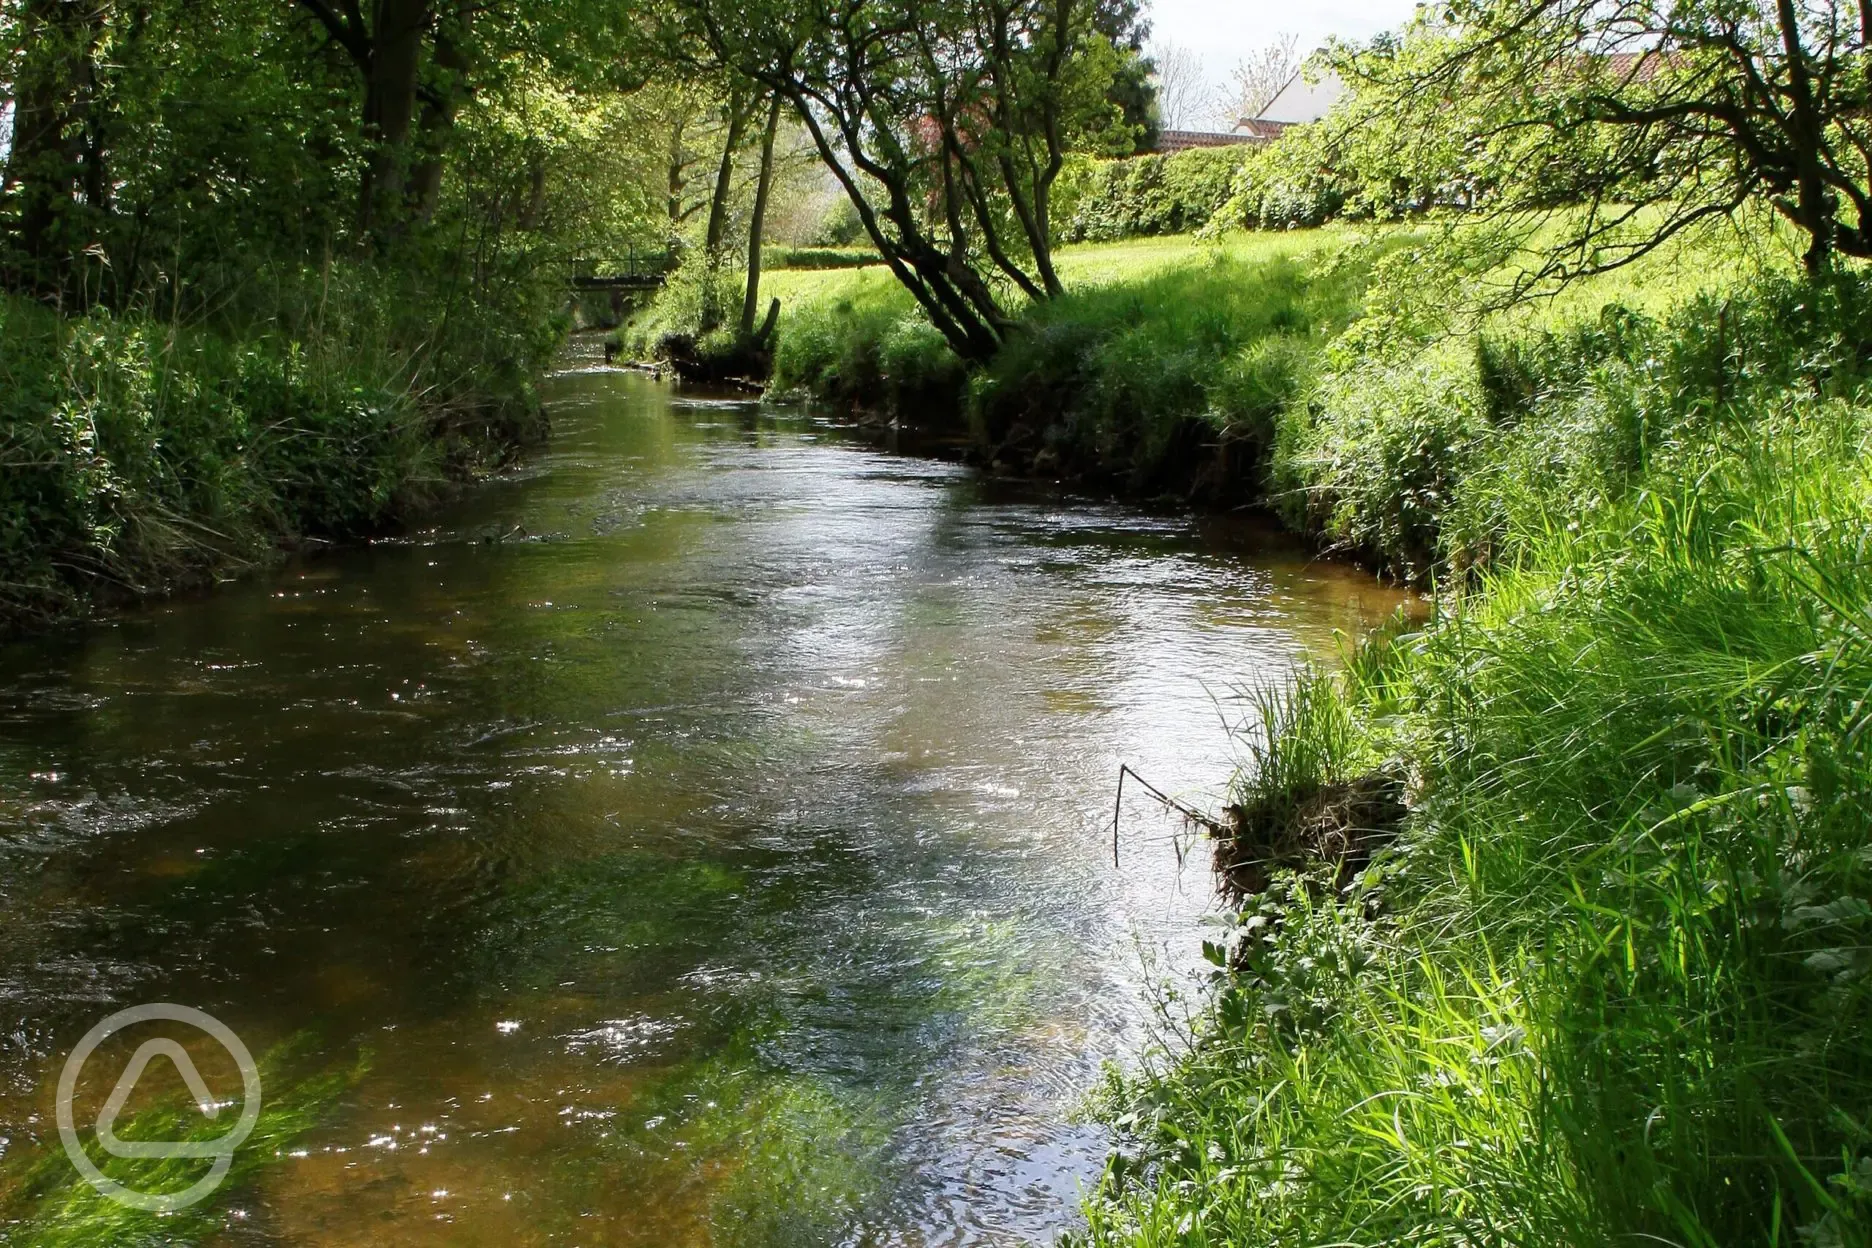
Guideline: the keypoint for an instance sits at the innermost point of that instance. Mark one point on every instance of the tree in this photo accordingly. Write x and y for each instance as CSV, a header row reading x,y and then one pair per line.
x,y
757,220
742,102
945,123
419,60
1620,124
54,166
737,111
1180,86
172,146
1258,78
1131,90
679,109
387,51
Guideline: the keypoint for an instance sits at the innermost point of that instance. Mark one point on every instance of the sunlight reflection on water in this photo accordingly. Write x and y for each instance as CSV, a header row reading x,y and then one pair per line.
x,y
704,832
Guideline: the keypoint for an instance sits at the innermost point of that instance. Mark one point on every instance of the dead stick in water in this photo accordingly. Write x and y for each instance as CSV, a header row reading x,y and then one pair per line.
x,y
1117,812
1212,826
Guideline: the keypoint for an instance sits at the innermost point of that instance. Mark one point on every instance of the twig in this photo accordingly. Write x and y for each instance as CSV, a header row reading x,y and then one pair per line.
x,y
1212,826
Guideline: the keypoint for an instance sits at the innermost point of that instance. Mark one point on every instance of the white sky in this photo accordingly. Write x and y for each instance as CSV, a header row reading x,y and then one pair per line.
x,y
1222,32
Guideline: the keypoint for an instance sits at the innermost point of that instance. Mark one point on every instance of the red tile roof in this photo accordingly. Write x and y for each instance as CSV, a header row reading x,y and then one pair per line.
x,y
1636,66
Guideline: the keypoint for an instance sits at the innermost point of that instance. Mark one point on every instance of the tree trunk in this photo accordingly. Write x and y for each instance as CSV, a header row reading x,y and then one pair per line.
x,y
51,158
535,208
678,177
1815,208
437,124
1043,216
724,181
1865,42
389,112
716,233
756,227
974,336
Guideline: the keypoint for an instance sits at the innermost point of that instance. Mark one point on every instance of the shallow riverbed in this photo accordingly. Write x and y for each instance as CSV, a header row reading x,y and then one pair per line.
x,y
702,835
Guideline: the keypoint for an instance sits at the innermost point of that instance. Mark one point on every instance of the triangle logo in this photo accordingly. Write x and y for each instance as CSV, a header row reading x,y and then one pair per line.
x,y
220,1151
126,1084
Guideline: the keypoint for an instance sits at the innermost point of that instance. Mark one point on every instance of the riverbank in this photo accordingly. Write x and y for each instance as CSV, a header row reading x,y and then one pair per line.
x,y
1157,376
1330,376
1609,977
1610,981
143,457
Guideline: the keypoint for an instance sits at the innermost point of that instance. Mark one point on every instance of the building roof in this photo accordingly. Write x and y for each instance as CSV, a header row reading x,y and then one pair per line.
x,y
1636,66
1301,102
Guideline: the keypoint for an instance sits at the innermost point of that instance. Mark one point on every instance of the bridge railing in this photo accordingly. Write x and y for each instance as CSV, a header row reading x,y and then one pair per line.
x,y
638,267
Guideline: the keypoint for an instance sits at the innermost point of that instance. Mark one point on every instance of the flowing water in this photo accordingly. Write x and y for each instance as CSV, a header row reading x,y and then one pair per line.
x,y
703,835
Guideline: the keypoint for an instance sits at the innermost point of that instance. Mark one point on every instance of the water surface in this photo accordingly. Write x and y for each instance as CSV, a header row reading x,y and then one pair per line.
x,y
702,835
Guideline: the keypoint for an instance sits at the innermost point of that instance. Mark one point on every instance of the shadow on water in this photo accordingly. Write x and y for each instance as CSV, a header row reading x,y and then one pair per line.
x,y
700,836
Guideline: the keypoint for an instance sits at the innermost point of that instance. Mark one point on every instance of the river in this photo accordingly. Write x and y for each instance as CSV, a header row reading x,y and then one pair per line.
x,y
700,835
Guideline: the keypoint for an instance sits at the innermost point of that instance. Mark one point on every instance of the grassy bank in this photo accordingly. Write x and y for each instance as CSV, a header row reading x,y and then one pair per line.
x,y
1609,983
1605,977
143,456
1321,373
1168,380
1159,372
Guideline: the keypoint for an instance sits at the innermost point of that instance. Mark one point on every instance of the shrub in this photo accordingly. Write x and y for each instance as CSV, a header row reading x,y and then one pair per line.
x,y
1373,458
693,299
1133,380
1275,191
1580,409
139,455
819,257
1099,201
841,226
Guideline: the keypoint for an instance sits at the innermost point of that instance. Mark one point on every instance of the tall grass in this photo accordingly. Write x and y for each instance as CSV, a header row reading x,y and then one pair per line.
x,y
1134,379
138,454
1611,986
864,343
1420,454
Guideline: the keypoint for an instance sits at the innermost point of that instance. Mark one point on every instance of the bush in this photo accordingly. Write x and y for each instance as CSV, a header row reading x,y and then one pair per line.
x,y
1104,200
1373,458
692,300
137,457
819,257
842,226
1199,189
1280,189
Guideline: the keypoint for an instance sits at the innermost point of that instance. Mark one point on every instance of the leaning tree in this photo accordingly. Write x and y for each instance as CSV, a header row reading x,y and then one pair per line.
x,y
1615,125
946,123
